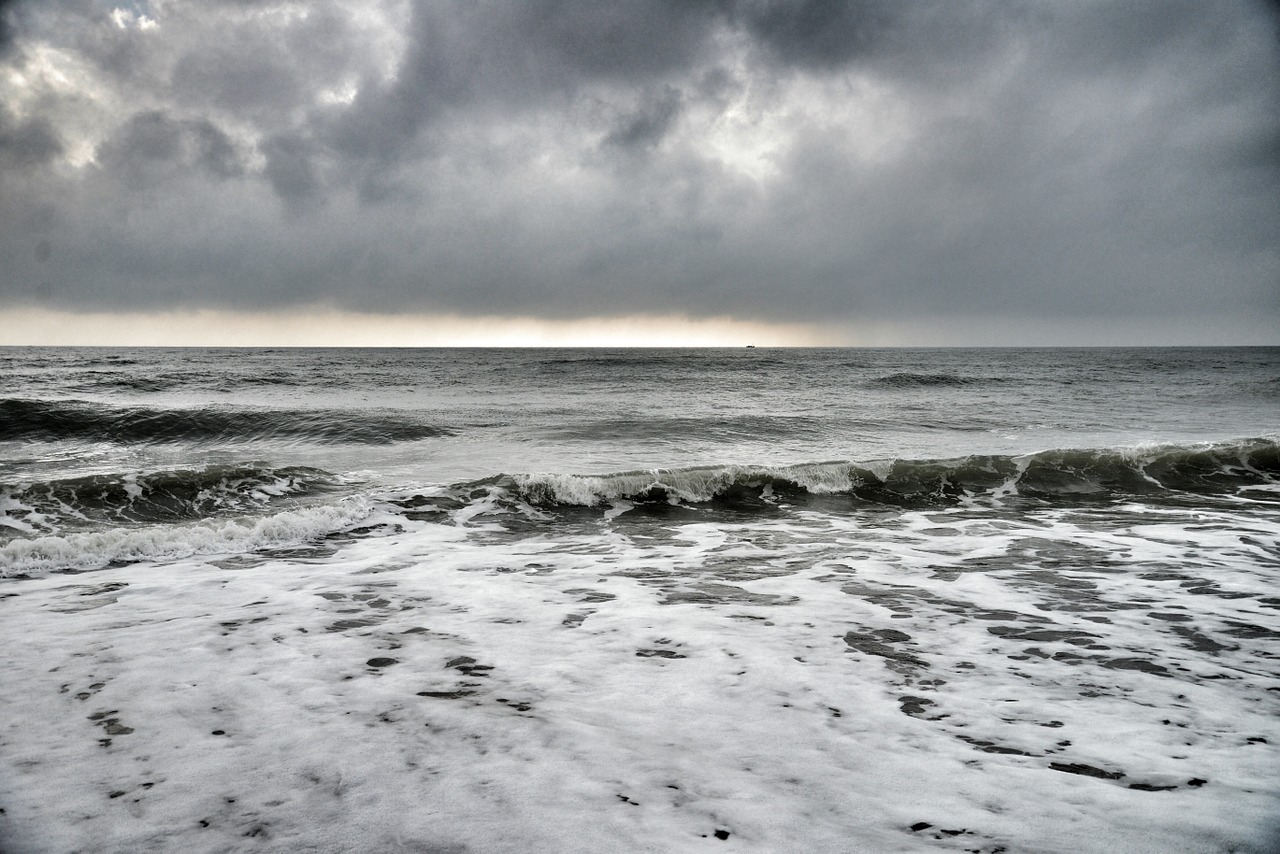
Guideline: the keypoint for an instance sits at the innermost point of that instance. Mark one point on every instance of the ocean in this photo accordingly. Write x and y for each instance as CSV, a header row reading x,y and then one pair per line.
x,y
563,600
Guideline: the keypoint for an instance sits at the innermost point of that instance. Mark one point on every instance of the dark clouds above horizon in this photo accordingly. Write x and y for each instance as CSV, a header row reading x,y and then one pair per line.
x,y
761,159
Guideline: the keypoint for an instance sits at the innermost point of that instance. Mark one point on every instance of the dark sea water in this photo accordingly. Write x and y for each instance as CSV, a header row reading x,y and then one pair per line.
x,y
584,600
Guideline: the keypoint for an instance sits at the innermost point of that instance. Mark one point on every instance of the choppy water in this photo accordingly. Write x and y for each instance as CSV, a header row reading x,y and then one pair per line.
x,y
911,599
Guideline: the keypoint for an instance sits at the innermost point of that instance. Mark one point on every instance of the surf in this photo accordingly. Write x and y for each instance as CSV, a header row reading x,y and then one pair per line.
x,y
1057,475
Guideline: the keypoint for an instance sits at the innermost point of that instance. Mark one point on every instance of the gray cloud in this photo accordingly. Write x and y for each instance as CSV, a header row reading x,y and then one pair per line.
x,y
822,33
27,144
765,159
6,26
646,126
291,169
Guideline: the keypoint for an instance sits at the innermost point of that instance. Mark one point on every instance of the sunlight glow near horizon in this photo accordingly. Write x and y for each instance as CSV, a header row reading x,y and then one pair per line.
x,y
323,327
331,328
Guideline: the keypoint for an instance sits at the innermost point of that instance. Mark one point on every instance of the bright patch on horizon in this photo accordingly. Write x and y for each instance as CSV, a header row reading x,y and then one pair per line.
x,y
330,328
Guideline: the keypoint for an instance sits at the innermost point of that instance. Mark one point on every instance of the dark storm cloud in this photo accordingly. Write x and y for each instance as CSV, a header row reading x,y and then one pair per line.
x,y
514,57
26,144
821,33
775,159
649,123
150,146
6,26
291,169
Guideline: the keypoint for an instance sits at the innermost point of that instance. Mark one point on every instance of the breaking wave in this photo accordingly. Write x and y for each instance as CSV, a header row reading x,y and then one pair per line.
x,y
92,522
98,520
97,549
1050,476
155,497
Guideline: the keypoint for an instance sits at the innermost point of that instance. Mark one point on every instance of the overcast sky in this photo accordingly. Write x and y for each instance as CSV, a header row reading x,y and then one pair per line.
x,y
926,167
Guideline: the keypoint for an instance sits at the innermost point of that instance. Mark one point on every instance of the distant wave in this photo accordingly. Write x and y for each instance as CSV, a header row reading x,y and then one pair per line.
x,y
42,421
106,378
1267,388
1050,476
725,428
734,360
910,380
121,380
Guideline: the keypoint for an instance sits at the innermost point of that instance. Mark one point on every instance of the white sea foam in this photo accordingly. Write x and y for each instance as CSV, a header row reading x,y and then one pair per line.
x,y
917,681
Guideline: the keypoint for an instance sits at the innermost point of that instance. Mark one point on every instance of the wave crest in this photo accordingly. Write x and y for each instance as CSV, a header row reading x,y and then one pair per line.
x,y
154,497
1048,475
